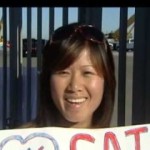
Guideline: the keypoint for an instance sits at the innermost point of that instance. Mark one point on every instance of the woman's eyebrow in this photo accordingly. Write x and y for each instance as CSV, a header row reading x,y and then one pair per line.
x,y
90,65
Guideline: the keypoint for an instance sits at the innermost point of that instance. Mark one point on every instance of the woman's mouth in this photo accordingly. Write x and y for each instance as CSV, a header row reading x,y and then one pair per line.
x,y
76,100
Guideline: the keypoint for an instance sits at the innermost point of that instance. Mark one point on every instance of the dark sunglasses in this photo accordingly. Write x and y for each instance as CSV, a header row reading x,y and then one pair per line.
x,y
89,32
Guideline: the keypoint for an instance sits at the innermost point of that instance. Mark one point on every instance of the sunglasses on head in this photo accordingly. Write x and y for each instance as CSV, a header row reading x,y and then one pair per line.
x,y
89,32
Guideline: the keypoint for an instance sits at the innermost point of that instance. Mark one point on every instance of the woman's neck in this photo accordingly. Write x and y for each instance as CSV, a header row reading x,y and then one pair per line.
x,y
61,122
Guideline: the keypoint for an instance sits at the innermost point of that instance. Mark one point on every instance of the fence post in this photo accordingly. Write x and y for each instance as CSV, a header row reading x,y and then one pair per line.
x,y
141,68
14,102
91,16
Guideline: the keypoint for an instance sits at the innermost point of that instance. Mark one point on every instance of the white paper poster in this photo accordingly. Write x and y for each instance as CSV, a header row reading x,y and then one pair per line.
x,y
119,138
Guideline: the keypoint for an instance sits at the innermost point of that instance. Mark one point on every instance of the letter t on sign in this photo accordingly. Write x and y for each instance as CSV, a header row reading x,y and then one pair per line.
x,y
136,132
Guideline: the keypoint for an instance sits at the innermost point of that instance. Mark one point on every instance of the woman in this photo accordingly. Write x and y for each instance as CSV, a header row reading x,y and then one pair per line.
x,y
77,79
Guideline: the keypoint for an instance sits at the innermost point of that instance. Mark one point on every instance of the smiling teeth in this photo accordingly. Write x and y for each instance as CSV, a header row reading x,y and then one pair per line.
x,y
76,100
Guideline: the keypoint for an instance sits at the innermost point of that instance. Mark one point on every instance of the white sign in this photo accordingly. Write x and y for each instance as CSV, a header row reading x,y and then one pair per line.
x,y
135,137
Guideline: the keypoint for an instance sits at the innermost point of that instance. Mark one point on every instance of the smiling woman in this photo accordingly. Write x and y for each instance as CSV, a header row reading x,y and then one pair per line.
x,y
77,79
77,91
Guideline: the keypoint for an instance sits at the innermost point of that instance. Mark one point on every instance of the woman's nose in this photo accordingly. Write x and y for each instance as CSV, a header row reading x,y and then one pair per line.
x,y
75,83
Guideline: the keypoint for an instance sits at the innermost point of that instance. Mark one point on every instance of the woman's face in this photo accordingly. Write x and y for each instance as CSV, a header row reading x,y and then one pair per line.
x,y
77,91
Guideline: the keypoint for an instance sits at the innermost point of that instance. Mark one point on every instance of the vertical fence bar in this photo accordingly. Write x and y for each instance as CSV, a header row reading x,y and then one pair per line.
x,y
4,99
122,66
82,13
147,87
94,16
29,52
39,38
97,17
90,16
51,21
39,48
20,86
141,67
65,15
14,90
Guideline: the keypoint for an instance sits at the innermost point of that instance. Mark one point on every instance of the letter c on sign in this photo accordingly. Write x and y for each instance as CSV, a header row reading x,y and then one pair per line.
x,y
80,136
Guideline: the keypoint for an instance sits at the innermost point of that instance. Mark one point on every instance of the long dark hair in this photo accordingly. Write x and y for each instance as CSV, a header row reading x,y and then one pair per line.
x,y
62,50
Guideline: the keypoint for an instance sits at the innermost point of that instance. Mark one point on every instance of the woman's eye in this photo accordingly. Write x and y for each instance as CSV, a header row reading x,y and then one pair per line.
x,y
88,73
63,72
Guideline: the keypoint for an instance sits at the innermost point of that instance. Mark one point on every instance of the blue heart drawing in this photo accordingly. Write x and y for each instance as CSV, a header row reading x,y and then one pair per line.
x,y
29,137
